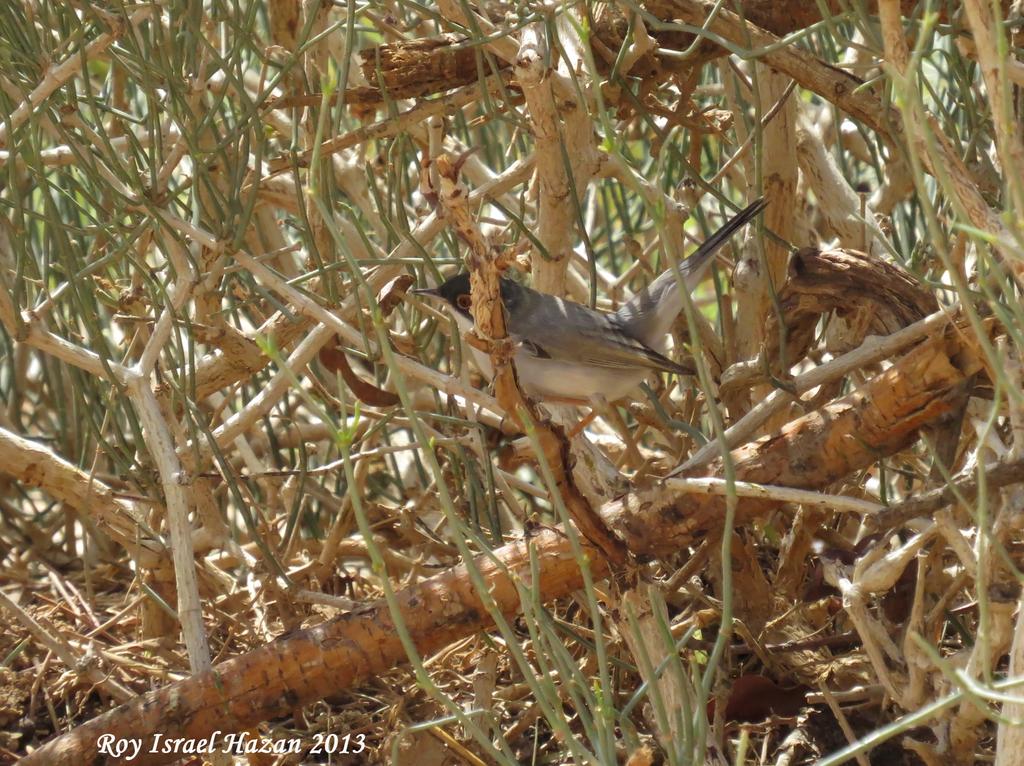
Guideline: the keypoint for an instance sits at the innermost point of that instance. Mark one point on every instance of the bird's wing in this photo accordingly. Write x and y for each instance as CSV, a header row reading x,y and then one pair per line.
x,y
568,332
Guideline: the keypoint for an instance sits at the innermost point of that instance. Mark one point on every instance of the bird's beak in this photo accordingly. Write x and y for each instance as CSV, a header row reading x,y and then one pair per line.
x,y
430,292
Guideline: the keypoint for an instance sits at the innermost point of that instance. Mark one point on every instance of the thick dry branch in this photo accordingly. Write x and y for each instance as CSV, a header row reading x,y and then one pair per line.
x,y
321,661
564,145
850,434
880,418
872,296
841,88
781,18
238,357
414,68
424,66
871,351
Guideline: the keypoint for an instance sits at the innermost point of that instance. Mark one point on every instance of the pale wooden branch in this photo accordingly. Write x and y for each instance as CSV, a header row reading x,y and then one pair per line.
x,y
841,88
178,294
944,162
271,393
560,123
566,154
1010,735
160,445
714,486
29,329
34,465
635,620
871,351
836,199
965,728
761,269
995,66
63,155
58,74
1014,69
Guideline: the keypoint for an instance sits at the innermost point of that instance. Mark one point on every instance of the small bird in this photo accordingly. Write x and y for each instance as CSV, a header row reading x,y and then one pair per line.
x,y
571,353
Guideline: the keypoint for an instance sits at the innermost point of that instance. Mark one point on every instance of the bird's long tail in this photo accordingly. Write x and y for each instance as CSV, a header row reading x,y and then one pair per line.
x,y
649,314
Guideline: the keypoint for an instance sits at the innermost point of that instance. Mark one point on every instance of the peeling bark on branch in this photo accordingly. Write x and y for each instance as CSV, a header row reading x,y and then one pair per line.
x,y
781,18
414,68
875,297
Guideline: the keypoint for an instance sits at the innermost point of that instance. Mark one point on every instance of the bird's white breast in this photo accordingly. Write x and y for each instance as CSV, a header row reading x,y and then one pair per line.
x,y
556,379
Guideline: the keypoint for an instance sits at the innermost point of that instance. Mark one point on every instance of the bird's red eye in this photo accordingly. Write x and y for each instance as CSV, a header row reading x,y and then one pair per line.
x,y
464,302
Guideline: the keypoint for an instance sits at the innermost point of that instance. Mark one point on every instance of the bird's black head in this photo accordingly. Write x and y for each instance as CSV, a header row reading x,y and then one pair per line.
x,y
455,292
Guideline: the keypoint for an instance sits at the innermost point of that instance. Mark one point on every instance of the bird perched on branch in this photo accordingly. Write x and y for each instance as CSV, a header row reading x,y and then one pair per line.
x,y
568,352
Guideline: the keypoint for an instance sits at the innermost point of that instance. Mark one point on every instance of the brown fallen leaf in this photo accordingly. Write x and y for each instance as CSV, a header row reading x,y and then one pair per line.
x,y
393,293
334,359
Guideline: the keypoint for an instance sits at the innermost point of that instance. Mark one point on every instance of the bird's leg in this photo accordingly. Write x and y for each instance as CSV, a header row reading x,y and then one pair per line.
x,y
578,428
